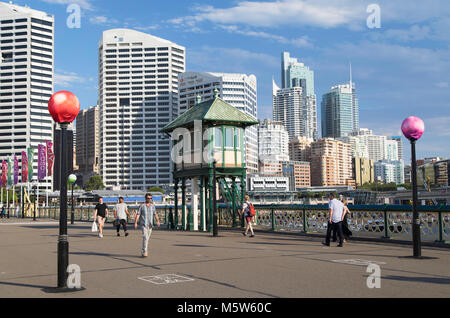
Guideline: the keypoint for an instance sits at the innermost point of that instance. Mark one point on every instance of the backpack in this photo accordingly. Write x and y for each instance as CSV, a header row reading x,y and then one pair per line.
x,y
251,209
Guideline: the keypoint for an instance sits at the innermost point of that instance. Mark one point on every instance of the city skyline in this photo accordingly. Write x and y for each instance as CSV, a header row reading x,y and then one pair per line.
x,y
385,60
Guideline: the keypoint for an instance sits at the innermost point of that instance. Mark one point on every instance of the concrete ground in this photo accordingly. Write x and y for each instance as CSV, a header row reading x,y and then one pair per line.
x,y
228,266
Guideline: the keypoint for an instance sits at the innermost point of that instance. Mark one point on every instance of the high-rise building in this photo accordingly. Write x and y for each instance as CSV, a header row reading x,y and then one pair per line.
x,y
399,141
238,90
340,115
301,106
298,172
273,141
138,95
300,149
359,146
88,142
390,171
331,163
363,170
287,109
26,81
391,152
375,147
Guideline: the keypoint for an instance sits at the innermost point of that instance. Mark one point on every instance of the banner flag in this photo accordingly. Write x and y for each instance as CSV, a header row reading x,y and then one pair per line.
x,y
10,180
30,164
50,158
42,173
24,167
4,172
16,170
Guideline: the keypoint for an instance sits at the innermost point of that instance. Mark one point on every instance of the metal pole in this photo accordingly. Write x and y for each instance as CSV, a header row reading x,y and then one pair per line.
x,y
34,199
175,189
416,219
63,243
72,214
23,203
215,216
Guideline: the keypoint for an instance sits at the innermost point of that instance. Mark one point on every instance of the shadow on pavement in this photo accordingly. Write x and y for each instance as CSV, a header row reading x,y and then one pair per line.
x,y
23,285
432,280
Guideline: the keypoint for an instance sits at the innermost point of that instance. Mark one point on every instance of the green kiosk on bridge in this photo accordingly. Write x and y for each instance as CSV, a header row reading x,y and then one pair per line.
x,y
211,131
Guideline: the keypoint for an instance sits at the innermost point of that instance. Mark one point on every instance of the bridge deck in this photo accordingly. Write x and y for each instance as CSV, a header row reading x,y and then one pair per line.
x,y
268,265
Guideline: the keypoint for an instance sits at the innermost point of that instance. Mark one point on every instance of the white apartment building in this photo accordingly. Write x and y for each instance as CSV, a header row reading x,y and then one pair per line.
x,y
26,81
389,171
273,141
288,105
258,183
138,95
238,90
379,147
360,148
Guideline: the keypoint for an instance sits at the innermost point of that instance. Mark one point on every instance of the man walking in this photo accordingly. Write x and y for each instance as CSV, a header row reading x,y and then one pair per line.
x,y
144,218
335,221
120,214
101,210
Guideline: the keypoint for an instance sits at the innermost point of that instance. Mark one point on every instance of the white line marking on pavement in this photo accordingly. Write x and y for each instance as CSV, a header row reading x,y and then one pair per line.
x,y
165,279
359,262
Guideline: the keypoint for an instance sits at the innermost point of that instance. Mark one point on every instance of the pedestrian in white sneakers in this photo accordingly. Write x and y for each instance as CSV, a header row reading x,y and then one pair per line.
x,y
101,210
144,218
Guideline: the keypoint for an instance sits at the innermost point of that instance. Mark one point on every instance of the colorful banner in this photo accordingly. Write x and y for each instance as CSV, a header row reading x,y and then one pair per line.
x,y
42,173
10,180
24,167
50,157
4,172
30,164
16,170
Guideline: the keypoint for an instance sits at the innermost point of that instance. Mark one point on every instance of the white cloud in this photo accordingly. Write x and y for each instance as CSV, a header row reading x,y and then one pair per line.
x,y
84,4
147,28
442,85
439,126
414,33
67,79
298,42
284,12
102,20
230,59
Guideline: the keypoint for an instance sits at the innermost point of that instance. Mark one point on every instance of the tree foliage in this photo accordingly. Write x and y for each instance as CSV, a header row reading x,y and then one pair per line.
x,y
95,183
155,189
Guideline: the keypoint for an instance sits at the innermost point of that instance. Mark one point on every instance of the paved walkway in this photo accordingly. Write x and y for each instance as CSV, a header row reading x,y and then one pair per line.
x,y
229,266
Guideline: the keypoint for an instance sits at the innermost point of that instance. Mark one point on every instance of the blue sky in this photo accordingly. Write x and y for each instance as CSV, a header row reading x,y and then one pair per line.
x,y
400,69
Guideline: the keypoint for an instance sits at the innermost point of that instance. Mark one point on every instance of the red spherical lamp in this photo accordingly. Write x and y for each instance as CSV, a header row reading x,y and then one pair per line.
x,y
64,107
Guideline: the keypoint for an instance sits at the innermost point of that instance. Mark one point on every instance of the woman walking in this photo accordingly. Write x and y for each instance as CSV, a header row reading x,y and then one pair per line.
x,y
346,231
247,211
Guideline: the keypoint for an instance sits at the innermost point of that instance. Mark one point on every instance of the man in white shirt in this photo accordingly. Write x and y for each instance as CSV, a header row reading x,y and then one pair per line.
x,y
120,214
335,221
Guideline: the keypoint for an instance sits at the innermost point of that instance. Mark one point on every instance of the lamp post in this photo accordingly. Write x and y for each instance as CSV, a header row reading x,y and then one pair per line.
x,y
413,128
215,216
34,201
64,108
72,180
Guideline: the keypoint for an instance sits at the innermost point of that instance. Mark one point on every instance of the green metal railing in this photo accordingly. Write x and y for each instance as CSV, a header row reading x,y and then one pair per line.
x,y
387,221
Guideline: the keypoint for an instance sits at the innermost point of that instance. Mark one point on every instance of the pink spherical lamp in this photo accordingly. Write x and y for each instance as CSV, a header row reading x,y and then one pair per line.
x,y
413,128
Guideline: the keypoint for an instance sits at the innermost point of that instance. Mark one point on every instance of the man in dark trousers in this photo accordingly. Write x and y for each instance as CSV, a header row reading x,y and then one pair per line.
x,y
335,221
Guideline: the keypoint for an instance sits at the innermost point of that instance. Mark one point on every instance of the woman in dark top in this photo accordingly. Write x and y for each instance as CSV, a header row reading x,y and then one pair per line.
x,y
101,211
345,230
